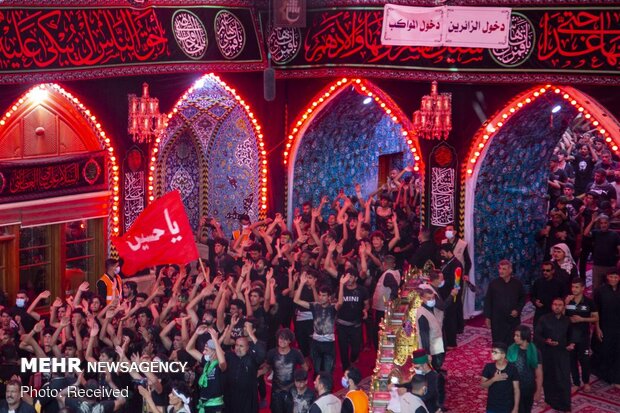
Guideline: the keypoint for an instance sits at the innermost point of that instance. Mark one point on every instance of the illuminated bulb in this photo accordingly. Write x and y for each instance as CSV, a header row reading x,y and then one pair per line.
x,y
573,102
595,123
472,160
520,104
500,124
469,171
565,96
536,94
602,131
557,90
615,148
504,115
608,139
416,168
588,116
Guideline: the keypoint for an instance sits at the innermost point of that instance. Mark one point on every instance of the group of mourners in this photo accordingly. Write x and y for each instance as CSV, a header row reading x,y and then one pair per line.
x,y
270,304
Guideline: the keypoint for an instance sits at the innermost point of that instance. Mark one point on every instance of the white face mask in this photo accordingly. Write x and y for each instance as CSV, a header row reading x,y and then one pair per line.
x,y
449,234
345,382
117,270
20,302
431,303
441,284
419,371
207,357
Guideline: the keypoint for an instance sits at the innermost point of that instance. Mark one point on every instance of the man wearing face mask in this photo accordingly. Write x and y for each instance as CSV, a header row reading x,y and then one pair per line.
x,y
422,368
110,285
430,338
411,395
453,315
356,400
210,381
20,311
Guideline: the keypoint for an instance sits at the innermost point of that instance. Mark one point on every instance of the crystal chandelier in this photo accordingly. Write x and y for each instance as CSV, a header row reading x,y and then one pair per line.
x,y
434,119
145,122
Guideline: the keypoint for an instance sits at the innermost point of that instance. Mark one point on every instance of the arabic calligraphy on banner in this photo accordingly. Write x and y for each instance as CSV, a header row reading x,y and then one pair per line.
x,y
160,235
97,38
25,180
569,41
440,26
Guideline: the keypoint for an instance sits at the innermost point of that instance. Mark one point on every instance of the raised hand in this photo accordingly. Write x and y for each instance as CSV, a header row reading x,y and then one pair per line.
x,y
57,303
45,294
84,286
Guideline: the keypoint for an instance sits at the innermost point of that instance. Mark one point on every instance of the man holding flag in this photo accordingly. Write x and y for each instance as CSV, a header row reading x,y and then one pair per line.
x,y
160,235
452,270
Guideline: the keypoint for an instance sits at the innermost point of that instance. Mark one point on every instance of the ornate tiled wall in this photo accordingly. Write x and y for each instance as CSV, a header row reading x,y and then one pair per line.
x,y
211,120
342,146
510,202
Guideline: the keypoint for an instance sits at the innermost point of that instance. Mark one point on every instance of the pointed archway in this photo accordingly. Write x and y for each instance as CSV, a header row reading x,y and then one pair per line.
x,y
338,140
505,176
213,153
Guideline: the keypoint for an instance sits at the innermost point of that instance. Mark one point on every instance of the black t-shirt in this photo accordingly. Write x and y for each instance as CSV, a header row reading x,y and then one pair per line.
x,y
214,380
527,375
83,406
324,320
501,393
283,366
583,167
580,332
605,247
302,401
352,306
559,176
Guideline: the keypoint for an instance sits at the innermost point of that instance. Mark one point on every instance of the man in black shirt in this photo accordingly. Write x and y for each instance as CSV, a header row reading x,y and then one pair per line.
x,y
544,290
13,402
427,250
503,303
282,361
213,362
557,178
502,380
352,306
583,166
607,304
580,310
553,338
605,248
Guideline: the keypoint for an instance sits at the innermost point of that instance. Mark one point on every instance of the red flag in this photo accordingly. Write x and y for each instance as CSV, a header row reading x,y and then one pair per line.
x,y
160,235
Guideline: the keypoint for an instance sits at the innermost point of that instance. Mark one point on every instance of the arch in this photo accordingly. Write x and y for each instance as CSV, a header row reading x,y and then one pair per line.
x,y
74,130
229,176
322,101
571,102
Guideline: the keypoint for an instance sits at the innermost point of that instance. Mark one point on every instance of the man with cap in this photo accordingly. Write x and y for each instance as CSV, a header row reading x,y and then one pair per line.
x,y
356,400
213,361
326,402
411,394
422,367
502,380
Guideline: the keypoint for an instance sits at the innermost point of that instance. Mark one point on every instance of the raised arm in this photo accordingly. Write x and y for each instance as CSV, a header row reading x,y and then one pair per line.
x,y
297,300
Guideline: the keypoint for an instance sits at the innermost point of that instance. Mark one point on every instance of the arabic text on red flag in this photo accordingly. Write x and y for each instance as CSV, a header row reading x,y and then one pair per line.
x,y
160,235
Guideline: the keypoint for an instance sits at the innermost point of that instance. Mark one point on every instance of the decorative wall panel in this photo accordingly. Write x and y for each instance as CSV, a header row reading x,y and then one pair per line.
x,y
342,146
510,203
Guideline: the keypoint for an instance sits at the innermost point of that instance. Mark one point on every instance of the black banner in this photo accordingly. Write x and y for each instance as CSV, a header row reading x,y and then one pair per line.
x,y
43,178
46,39
542,40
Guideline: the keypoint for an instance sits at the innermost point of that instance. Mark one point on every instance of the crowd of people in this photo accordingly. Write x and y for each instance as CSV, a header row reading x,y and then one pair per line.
x,y
275,304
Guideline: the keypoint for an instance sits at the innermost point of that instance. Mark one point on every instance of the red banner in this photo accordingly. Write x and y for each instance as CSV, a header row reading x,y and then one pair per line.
x,y
160,235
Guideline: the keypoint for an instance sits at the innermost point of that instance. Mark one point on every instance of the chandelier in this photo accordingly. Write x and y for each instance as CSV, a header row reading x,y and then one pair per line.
x,y
145,122
434,119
